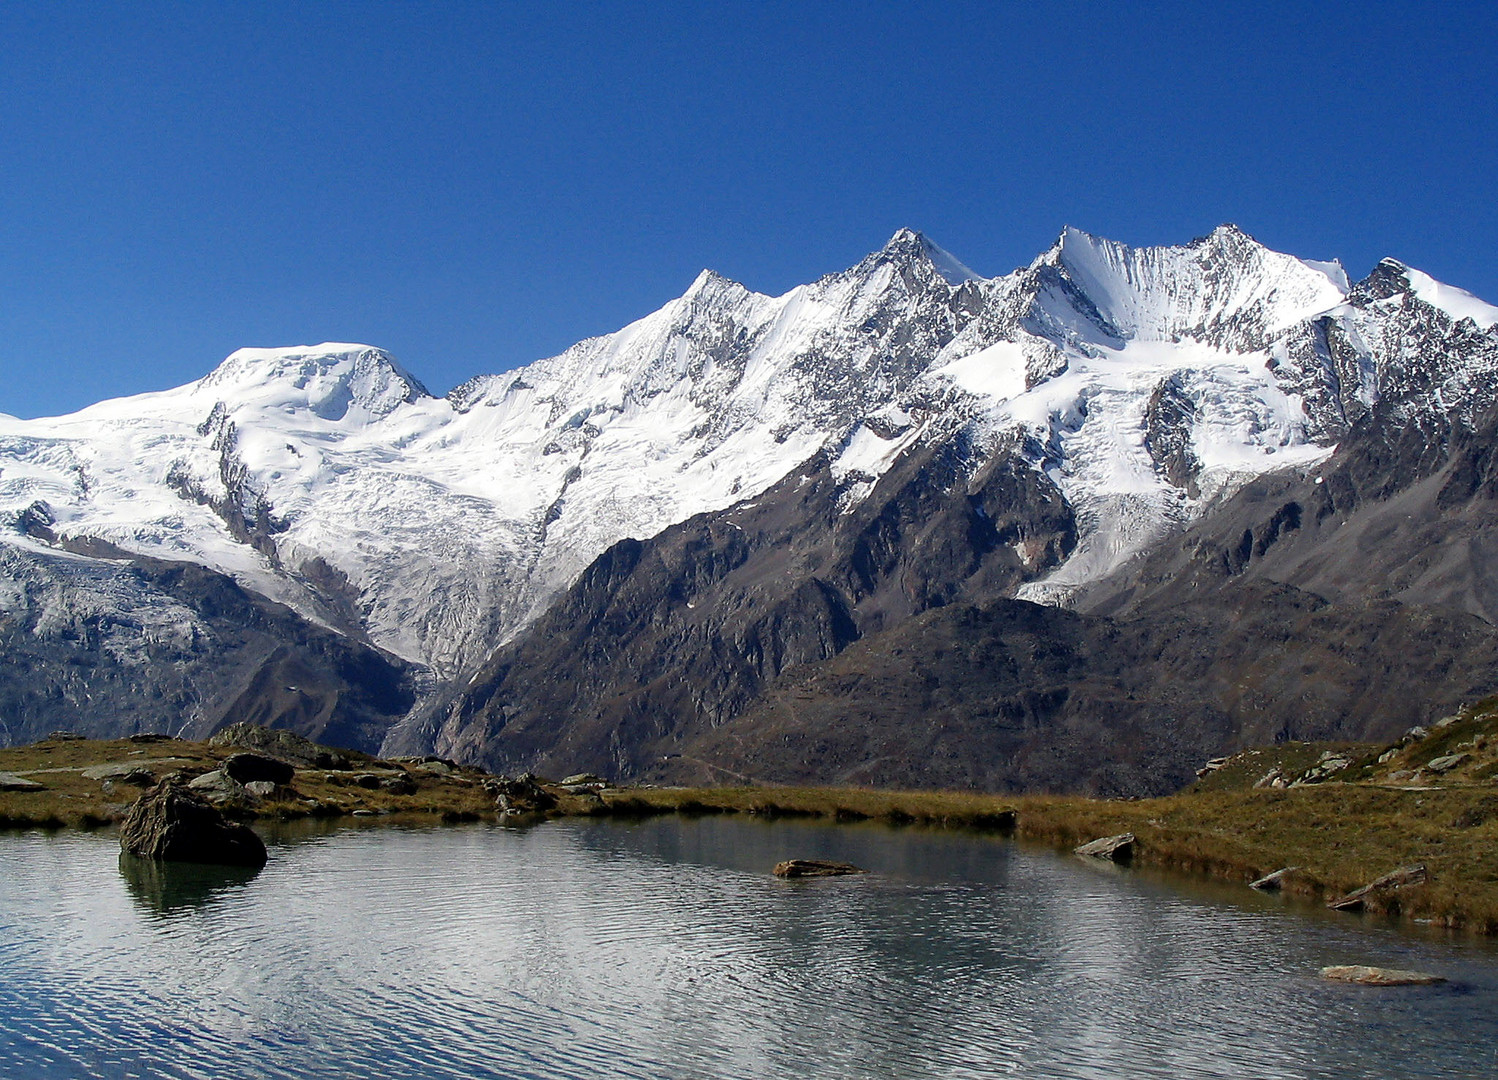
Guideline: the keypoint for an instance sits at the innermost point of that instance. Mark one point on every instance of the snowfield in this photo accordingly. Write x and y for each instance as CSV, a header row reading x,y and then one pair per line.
x,y
1146,383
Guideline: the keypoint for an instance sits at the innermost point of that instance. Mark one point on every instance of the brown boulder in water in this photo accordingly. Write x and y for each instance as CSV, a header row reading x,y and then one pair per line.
x,y
172,823
793,868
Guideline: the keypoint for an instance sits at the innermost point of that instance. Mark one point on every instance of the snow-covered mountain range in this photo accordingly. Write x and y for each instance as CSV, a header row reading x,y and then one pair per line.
x,y
1146,384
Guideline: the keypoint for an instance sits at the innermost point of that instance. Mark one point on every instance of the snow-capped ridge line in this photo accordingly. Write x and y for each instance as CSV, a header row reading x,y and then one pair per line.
x,y
327,476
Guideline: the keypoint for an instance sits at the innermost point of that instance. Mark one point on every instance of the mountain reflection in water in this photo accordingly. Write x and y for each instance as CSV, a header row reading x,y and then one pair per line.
x,y
664,949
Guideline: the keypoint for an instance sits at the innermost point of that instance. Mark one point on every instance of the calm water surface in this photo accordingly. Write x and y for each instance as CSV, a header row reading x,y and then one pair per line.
x,y
665,950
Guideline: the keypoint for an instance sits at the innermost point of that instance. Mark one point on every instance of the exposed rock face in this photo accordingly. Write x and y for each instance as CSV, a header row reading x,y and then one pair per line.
x,y
798,868
115,647
171,823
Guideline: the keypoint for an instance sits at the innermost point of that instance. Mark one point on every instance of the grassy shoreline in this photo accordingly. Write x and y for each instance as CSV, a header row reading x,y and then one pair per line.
x,y
1341,834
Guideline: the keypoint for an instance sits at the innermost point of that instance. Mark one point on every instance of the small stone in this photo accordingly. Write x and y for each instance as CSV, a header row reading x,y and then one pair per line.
x,y
398,785
1119,848
114,770
1364,975
796,868
522,795
217,787
261,789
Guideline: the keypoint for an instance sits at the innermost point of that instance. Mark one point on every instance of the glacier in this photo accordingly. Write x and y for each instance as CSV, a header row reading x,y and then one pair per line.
x,y
1147,383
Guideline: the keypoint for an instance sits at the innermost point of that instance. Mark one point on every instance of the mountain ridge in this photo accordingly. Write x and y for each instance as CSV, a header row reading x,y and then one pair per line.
x,y
1115,395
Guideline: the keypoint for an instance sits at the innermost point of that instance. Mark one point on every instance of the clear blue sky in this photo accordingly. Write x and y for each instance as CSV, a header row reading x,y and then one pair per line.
x,y
474,186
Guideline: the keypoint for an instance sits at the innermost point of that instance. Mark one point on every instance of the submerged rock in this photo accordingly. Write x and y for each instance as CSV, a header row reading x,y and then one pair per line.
x,y
1364,975
173,823
1119,848
794,868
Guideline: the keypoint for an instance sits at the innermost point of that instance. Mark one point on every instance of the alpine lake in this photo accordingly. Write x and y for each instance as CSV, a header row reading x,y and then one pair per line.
x,y
663,949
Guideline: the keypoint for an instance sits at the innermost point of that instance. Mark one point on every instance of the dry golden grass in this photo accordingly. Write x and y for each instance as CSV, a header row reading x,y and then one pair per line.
x,y
70,799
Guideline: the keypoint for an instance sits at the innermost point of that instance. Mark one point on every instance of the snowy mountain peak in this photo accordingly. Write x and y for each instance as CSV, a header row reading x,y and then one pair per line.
x,y
1224,289
910,245
1392,278
335,381
1141,381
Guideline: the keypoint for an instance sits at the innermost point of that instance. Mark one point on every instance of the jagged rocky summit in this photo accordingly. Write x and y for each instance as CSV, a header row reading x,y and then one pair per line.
x,y
797,537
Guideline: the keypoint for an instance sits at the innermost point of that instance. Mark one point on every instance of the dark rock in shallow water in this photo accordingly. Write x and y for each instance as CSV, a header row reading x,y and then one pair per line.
x,y
172,823
248,768
794,868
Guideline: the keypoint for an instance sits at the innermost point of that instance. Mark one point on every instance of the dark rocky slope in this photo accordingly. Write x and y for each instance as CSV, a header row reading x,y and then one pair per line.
x,y
181,646
781,642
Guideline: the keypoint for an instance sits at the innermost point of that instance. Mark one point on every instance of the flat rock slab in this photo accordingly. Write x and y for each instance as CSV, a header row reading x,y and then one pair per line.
x,y
794,868
1273,882
9,781
1118,848
1364,975
1402,878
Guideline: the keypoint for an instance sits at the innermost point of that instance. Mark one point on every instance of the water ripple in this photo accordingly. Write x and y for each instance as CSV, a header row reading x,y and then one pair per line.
x,y
665,950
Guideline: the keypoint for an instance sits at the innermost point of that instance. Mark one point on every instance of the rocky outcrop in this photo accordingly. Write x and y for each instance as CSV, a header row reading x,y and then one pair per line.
x,y
172,823
247,768
1275,881
9,781
1380,889
522,795
1118,848
281,744
799,868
